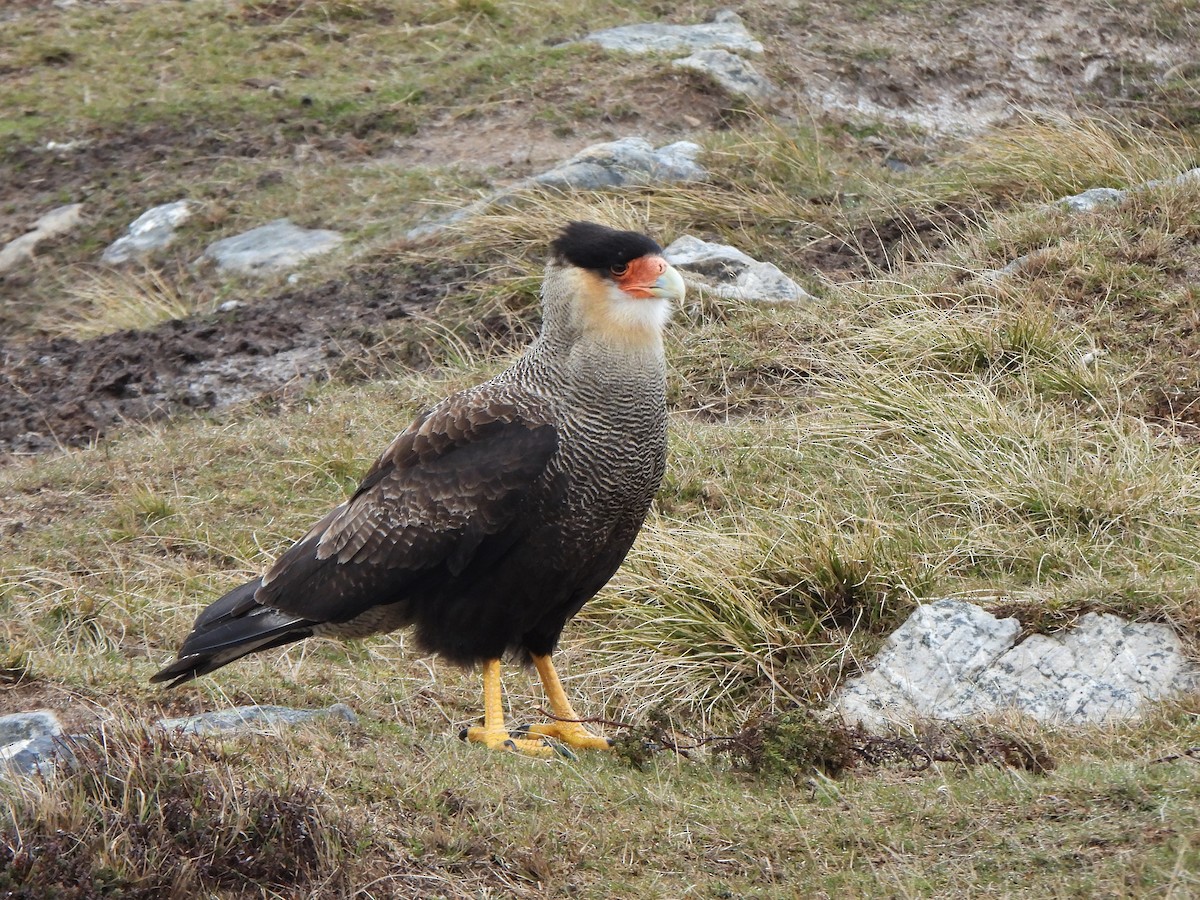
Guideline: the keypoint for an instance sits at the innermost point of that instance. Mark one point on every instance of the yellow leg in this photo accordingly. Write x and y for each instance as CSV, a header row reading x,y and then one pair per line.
x,y
569,730
494,735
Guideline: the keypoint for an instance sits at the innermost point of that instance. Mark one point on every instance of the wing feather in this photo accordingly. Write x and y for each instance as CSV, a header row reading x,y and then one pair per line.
x,y
454,482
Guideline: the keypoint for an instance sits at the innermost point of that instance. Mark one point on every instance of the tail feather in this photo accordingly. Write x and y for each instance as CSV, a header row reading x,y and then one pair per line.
x,y
232,627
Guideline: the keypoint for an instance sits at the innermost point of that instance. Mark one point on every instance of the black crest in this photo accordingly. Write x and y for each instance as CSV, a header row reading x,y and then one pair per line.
x,y
591,246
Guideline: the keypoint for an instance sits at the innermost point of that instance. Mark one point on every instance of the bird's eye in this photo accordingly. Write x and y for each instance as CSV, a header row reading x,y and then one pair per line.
x,y
619,269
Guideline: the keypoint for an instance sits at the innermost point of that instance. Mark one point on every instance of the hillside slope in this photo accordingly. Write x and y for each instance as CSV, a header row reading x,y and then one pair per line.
x,y
991,397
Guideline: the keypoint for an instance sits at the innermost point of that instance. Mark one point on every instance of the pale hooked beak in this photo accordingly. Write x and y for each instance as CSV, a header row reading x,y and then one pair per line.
x,y
669,285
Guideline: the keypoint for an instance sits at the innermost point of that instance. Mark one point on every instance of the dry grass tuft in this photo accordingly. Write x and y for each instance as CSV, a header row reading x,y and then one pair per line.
x,y
108,301
144,815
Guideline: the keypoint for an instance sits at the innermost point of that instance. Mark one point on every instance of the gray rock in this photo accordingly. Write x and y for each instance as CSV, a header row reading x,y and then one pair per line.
x,y
23,726
57,222
271,248
34,743
29,742
630,161
152,230
1183,178
730,273
253,719
1091,198
731,72
1103,668
952,660
36,756
725,32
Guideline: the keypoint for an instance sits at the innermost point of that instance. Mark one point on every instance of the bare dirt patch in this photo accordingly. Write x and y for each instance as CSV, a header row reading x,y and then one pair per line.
x,y
881,246
64,392
959,66
528,135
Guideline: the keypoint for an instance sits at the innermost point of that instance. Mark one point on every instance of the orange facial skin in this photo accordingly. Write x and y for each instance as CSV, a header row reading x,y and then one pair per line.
x,y
640,275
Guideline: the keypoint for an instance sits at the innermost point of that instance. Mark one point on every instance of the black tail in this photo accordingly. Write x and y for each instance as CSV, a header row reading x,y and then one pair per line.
x,y
232,627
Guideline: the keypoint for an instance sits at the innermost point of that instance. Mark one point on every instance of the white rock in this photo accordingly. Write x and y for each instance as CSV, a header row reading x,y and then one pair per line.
x,y
730,273
952,660
731,72
58,221
270,248
1105,667
726,32
152,230
67,146
921,670
1183,178
1088,200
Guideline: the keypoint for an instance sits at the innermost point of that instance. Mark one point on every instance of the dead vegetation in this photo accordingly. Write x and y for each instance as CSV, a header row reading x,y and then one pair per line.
x,y
144,815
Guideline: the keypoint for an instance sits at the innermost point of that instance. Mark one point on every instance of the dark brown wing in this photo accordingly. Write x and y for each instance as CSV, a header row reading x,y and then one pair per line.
x,y
451,487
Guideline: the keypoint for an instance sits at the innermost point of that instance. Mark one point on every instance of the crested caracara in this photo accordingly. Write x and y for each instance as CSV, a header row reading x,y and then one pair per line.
x,y
498,513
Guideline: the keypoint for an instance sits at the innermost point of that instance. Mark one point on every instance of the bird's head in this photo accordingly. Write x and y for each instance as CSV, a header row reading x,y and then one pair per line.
x,y
609,286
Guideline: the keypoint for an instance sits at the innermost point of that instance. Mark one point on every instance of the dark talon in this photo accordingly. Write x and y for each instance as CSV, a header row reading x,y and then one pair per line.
x,y
562,750
520,731
510,745
462,735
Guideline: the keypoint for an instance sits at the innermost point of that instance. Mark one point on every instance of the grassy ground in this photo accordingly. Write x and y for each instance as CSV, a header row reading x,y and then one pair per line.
x,y
924,429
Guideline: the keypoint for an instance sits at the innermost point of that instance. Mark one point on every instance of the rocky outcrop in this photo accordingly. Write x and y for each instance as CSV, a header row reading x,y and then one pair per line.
x,y
725,32
628,162
733,73
952,660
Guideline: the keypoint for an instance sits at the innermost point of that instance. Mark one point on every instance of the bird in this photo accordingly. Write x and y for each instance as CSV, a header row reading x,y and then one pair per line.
x,y
489,522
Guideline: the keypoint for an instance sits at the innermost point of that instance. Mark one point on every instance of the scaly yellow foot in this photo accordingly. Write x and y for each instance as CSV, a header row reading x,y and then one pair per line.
x,y
573,734
568,729
492,734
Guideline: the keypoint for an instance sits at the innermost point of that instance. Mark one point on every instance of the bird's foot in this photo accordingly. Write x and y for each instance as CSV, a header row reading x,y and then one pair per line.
x,y
571,734
497,739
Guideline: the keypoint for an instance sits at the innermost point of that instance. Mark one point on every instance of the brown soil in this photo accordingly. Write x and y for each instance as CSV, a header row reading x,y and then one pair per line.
x,y
882,246
64,392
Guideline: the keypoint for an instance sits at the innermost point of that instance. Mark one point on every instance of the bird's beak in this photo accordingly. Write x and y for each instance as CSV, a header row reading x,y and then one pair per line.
x,y
669,285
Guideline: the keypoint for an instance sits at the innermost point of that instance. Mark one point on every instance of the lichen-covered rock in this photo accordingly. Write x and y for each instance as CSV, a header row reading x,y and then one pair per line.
x,y
733,73
628,161
1093,197
152,230
253,718
271,248
952,660
730,273
29,742
725,32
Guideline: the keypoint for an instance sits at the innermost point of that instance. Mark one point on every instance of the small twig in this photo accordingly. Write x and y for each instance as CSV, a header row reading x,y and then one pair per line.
x,y
589,720
1189,753
659,734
